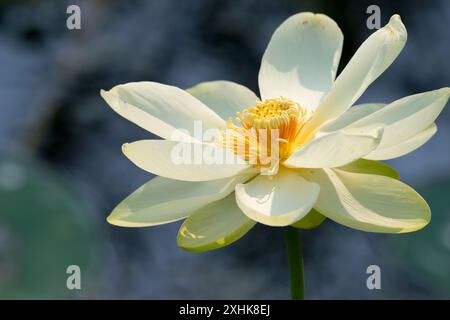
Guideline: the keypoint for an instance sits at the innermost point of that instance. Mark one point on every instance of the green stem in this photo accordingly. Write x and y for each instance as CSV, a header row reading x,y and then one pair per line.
x,y
295,258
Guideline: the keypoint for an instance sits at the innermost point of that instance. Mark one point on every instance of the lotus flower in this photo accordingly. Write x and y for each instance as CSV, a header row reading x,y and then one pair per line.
x,y
327,149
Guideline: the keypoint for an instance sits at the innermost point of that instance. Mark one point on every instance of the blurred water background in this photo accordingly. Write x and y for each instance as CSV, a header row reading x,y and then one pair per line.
x,y
62,170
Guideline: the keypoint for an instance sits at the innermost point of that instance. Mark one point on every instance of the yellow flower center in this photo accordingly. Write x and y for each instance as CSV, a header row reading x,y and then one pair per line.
x,y
266,134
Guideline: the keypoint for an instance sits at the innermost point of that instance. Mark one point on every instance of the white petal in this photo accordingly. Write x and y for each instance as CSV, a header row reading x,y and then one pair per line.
x,y
278,200
164,200
371,167
301,59
406,117
368,202
312,220
405,147
369,62
335,149
352,115
161,109
226,98
216,225
184,160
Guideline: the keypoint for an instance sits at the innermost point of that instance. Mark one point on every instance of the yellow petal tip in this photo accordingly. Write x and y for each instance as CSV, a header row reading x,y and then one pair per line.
x,y
397,27
110,219
104,93
125,148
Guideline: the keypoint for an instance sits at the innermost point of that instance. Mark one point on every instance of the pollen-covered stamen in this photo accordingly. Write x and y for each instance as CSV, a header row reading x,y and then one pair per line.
x,y
269,114
272,123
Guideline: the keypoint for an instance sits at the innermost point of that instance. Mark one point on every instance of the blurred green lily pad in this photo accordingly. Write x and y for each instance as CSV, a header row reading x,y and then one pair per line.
x,y
426,253
44,228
